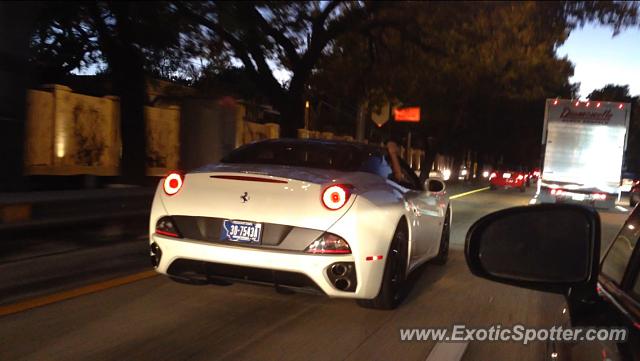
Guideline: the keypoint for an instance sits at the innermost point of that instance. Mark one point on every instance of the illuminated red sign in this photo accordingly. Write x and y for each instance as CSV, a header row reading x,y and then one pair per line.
x,y
411,114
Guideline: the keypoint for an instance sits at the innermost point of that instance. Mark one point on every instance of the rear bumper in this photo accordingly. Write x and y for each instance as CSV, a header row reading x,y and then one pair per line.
x,y
297,270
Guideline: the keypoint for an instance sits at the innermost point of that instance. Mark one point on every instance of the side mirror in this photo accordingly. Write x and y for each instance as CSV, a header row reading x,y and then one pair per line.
x,y
548,247
435,185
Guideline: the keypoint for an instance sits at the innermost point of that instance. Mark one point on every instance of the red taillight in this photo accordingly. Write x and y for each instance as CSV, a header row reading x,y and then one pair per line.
x,y
335,196
493,175
172,183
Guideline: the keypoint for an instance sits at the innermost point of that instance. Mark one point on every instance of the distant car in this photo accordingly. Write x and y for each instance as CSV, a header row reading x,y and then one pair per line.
x,y
634,194
508,179
322,216
556,248
534,175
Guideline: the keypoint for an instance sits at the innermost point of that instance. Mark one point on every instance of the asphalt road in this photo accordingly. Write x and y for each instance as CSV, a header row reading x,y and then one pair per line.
x,y
157,319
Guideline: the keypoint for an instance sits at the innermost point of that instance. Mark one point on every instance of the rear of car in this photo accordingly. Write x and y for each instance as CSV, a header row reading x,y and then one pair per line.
x,y
508,179
269,214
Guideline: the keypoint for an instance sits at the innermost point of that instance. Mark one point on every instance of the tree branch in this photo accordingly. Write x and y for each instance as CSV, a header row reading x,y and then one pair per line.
x,y
286,44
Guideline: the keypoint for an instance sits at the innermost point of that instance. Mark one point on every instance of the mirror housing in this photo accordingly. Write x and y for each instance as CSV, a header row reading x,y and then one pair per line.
x,y
435,185
548,247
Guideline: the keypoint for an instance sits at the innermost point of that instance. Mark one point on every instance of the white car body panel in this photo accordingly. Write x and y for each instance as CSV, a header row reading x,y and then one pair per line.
x,y
367,221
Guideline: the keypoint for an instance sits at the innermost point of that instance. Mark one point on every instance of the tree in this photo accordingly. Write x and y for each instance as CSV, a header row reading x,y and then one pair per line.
x,y
133,40
481,70
291,35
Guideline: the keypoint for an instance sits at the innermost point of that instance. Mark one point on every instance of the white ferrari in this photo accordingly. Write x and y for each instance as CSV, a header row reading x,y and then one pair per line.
x,y
305,215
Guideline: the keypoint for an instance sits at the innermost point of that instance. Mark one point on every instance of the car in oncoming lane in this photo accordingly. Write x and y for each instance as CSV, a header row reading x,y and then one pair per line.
x,y
337,218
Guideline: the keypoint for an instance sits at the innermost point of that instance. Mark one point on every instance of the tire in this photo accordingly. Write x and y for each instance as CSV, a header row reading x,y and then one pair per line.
x,y
492,187
443,253
523,189
392,290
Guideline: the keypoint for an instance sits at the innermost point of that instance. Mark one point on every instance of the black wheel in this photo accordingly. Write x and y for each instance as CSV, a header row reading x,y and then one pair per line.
x,y
392,290
443,253
492,187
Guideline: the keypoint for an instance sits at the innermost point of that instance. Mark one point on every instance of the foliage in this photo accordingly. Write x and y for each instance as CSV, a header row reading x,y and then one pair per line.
x,y
479,70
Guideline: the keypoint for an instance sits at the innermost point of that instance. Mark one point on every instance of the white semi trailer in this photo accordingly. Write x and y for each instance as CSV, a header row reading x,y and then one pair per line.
x,y
584,143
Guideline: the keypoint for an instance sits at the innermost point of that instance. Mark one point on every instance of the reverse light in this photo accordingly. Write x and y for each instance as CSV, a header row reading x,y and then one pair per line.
x,y
336,196
329,243
172,183
166,227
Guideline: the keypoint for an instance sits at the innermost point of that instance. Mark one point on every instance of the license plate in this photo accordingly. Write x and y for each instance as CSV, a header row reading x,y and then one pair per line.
x,y
241,231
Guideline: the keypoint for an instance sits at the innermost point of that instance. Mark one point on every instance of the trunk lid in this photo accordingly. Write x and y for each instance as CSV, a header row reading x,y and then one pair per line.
x,y
258,193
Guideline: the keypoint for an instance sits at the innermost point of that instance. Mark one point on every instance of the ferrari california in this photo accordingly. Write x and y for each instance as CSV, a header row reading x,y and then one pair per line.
x,y
336,218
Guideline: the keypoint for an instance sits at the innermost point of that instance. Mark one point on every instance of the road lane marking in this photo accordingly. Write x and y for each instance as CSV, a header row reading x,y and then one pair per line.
x,y
81,291
449,351
467,193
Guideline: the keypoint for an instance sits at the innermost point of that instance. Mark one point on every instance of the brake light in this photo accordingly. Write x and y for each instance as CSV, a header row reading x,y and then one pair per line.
x,y
329,244
520,177
335,196
600,196
493,175
173,182
557,192
166,227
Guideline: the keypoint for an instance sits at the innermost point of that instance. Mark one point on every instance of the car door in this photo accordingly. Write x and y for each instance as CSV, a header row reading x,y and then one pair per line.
x,y
619,292
428,215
